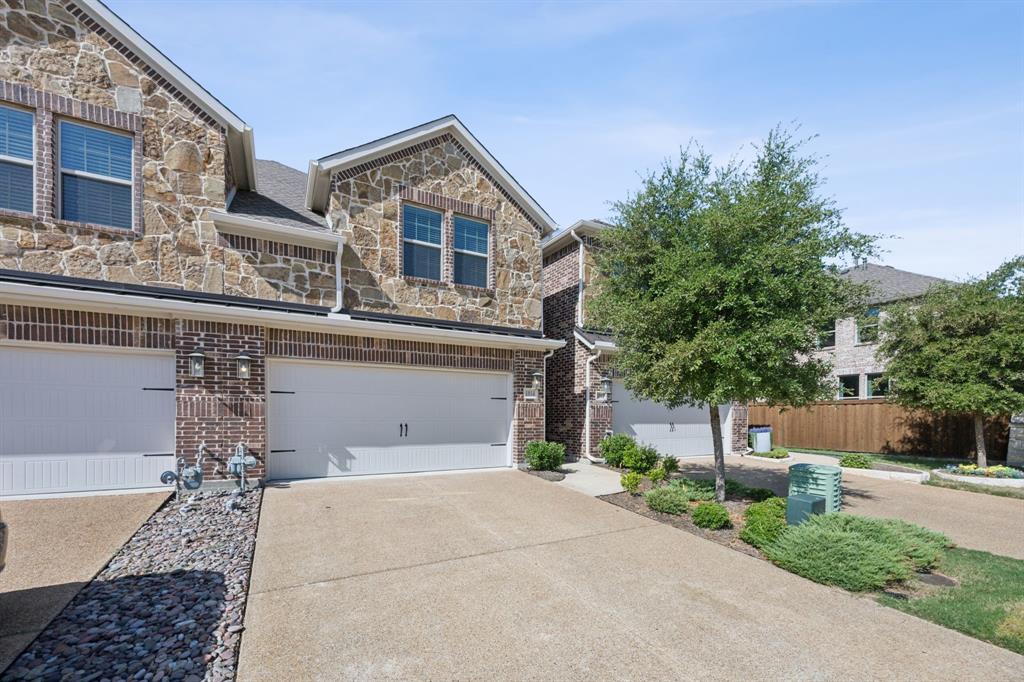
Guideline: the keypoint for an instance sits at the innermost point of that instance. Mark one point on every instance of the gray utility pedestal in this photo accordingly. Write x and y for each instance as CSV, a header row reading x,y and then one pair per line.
x,y
800,507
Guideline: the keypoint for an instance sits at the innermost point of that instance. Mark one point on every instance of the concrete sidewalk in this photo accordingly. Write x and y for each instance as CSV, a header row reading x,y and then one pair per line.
x,y
973,520
56,546
501,575
584,477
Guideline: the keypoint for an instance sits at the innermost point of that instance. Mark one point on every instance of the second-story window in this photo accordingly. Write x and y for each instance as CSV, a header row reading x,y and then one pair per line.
x,y
421,249
95,175
16,160
867,327
827,337
470,252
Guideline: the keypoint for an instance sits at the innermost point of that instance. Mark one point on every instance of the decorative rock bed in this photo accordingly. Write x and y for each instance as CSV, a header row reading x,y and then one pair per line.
x,y
168,606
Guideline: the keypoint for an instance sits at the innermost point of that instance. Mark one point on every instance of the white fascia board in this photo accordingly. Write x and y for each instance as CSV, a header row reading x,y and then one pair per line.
x,y
603,346
264,229
316,192
99,301
239,133
560,238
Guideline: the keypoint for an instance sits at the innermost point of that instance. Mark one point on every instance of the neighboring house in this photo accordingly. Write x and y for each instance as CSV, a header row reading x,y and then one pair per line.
x,y
161,289
585,402
852,344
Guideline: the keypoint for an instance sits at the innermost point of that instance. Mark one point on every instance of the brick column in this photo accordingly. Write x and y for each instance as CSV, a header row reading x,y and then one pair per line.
x,y
529,414
740,413
219,408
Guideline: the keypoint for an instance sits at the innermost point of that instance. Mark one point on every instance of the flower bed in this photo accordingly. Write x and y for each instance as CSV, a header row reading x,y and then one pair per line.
x,y
994,471
169,605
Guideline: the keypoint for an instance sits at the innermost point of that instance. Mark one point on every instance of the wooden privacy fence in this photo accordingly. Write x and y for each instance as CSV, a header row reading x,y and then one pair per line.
x,y
879,426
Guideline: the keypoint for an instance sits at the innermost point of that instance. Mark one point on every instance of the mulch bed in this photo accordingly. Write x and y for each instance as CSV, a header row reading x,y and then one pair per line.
x,y
168,606
728,537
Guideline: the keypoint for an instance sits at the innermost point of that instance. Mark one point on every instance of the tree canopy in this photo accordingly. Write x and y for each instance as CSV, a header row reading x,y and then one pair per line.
x,y
960,349
718,279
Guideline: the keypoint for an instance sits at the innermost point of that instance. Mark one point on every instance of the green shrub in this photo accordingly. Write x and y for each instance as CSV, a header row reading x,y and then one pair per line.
x,y
667,499
711,515
764,522
657,475
613,448
855,460
855,552
696,490
631,481
670,464
774,453
544,456
641,458
758,494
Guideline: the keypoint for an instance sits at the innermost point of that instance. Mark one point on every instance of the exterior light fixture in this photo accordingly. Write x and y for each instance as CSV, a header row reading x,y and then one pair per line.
x,y
532,392
606,389
196,364
243,366
537,378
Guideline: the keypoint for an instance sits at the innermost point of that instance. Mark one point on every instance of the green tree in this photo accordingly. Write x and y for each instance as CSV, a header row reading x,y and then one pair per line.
x,y
717,281
960,349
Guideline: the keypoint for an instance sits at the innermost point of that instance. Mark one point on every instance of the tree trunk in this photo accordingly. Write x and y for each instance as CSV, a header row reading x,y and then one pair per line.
x,y
716,436
979,440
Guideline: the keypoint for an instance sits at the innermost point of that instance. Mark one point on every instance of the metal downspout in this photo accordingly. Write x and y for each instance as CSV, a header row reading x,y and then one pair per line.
x,y
586,419
579,283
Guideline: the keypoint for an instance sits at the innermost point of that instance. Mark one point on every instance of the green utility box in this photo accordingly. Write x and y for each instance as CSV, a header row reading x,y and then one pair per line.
x,y
800,507
818,479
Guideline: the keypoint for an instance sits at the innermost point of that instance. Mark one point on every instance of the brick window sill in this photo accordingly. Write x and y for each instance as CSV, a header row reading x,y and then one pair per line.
x,y
99,229
18,215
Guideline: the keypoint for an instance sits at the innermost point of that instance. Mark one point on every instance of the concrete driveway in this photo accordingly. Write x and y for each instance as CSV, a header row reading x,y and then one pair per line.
x,y
973,520
56,547
500,575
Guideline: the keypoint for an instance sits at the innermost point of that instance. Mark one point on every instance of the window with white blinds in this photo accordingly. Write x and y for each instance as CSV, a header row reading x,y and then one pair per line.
x,y
17,159
95,175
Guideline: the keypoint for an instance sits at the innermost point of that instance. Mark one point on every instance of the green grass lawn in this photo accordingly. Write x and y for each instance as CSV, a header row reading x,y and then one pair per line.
x,y
988,604
1016,493
911,461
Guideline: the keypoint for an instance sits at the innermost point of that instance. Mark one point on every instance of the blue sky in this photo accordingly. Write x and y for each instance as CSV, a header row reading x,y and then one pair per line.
x,y
919,107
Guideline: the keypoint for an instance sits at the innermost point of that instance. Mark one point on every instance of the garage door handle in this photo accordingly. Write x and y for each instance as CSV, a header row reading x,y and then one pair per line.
x,y
499,398
158,454
274,452
498,445
147,388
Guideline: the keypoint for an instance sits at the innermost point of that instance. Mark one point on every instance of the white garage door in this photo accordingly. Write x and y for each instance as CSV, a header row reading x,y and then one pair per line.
x,y
682,432
342,420
74,421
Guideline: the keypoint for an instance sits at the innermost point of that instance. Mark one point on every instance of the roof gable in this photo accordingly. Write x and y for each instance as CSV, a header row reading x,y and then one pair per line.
x,y
98,17
890,284
386,149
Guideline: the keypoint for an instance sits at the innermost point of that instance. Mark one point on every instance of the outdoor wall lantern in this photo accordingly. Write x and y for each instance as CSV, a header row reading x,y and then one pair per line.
x,y
196,363
533,392
243,365
606,388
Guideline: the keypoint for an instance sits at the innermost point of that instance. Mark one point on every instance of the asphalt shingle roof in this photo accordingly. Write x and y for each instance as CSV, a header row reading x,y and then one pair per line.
x,y
889,284
281,198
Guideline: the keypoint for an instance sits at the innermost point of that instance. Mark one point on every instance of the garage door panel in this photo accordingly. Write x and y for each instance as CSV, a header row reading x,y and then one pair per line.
x,y
346,420
80,420
681,432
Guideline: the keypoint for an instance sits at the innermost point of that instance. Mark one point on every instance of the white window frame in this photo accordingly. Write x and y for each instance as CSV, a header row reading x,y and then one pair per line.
x,y
17,160
61,171
842,393
439,246
486,255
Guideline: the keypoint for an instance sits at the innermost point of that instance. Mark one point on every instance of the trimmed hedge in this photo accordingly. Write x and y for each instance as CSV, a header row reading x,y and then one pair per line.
x,y
544,456
855,460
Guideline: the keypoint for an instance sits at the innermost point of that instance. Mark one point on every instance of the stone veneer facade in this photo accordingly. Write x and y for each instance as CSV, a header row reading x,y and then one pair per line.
x,y
567,369
366,206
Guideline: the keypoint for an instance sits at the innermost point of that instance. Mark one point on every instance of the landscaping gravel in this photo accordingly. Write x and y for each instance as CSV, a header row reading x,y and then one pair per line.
x,y
168,606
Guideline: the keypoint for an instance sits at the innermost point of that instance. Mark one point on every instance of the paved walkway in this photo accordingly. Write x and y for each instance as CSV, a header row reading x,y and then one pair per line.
x,y
584,477
56,547
973,520
501,575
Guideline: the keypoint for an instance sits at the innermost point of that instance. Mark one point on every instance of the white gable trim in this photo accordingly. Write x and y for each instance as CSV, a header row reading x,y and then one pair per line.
x,y
240,136
321,170
580,227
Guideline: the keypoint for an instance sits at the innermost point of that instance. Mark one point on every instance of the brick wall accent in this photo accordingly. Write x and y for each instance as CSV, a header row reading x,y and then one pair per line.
x,y
219,408
529,414
740,422
51,325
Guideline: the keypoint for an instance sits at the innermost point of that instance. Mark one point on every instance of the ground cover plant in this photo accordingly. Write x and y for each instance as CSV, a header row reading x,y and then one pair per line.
x,y
764,522
854,552
544,456
856,460
667,500
774,453
711,515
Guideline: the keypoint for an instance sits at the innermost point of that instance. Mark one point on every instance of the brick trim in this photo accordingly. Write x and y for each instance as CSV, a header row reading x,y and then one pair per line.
x,y
443,203
53,325
423,146
276,248
48,108
289,343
